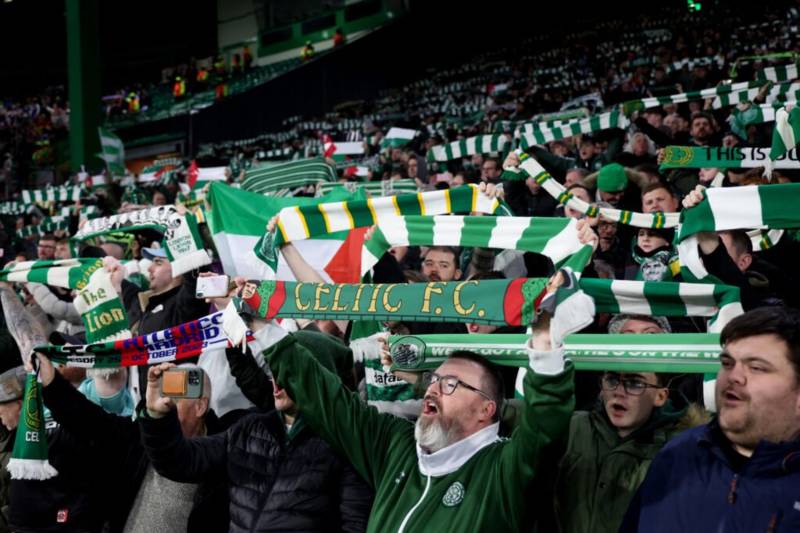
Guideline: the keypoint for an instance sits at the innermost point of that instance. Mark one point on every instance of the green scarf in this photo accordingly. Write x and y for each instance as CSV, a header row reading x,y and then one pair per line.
x,y
722,157
663,352
29,456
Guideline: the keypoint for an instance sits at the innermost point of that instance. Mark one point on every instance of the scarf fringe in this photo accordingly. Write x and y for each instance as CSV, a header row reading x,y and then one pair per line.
x,y
38,469
191,261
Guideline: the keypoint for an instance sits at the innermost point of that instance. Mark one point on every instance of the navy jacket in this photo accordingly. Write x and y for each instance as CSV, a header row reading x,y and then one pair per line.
x,y
697,483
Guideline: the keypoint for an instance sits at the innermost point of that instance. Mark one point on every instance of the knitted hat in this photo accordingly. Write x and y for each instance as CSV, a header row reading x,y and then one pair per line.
x,y
612,178
617,321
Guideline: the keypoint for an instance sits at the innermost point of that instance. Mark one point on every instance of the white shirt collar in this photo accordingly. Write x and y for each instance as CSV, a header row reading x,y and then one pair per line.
x,y
453,457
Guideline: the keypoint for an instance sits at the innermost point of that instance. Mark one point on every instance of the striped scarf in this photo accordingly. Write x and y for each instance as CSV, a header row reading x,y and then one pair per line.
x,y
722,157
97,301
662,352
529,167
538,133
754,206
48,225
53,194
779,73
299,223
503,302
480,144
785,136
271,177
182,240
556,238
719,91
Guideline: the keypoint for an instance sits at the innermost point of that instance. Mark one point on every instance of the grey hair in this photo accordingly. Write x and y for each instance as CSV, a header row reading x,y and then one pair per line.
x,y
618,321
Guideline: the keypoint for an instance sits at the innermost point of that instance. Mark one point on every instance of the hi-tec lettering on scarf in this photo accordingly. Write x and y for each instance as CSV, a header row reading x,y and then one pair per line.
x,y
529,167
663,352
182,240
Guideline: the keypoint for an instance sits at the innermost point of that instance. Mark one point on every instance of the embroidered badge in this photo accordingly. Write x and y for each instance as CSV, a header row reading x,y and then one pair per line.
x,y
454,495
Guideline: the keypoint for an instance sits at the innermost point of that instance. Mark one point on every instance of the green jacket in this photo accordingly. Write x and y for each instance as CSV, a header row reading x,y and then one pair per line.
x,y
474,485
600,472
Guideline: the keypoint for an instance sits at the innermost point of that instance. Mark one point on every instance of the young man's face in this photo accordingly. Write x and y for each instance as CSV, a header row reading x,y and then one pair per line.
x,y
758,393
659,200
46,249
650,240
630,409
440,266
160,273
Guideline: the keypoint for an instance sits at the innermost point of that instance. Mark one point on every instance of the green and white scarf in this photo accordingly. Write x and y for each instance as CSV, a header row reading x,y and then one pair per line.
x,y
779,73
97,301
182,240
785,136
480,144
291,174
662,352
539,133
16,208
48,225
556,238
529,167
54,194
722,157
300,223
679,98
729,208
29,456
495,302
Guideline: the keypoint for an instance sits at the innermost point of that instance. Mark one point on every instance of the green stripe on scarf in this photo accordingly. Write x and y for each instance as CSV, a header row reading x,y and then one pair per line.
x,y
481,144
530,167
556,238
496,302
271,177
664,352
29,456
542,132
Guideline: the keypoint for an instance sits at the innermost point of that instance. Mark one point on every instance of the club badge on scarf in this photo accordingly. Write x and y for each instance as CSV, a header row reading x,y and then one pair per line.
x,y
29,457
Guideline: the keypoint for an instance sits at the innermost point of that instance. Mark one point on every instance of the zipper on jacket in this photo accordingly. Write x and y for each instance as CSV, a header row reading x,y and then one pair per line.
x,y
424,493
732,491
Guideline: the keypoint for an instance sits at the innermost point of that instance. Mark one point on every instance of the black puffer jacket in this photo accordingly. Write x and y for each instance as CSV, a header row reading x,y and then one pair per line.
x,y
277,482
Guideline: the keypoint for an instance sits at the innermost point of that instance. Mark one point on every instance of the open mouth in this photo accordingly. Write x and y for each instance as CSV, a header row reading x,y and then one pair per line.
x,y
617,409
472,328
732,397
429,408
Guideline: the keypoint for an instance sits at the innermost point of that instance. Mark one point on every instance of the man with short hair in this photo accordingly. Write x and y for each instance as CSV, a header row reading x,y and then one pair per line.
x,y
611,447
46,248
450,471
490,170
440,263
703,129
658,197
740,471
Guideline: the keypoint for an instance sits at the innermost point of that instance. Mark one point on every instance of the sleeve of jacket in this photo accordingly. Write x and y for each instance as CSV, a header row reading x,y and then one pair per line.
x,y
614,145
659,137
180,459
556,165
651,496
354,430
54,306
190,306
549,402
82,418
355,500
250,378
130,299
718,263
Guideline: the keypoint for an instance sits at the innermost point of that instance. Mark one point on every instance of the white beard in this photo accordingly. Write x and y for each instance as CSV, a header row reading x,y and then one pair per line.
x,y
432,436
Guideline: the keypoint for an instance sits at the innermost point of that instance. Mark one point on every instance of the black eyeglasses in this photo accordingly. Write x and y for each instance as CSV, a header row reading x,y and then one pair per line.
x,y
632,386
449,384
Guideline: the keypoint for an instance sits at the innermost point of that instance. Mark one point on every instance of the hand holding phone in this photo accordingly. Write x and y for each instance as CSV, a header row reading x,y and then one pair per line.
x,y
212,286
182,382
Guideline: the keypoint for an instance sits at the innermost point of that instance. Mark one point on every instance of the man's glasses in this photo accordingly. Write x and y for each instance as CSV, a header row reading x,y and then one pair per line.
x,y
449,384
632,386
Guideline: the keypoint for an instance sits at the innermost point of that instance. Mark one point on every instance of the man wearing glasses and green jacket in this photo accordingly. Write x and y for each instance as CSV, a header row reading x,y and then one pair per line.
x,y
451,471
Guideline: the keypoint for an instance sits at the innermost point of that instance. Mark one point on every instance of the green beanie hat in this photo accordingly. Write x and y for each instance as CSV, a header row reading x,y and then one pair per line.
x,y
612,178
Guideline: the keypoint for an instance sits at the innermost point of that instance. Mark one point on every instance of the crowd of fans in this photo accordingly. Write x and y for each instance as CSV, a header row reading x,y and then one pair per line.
x,y
318,435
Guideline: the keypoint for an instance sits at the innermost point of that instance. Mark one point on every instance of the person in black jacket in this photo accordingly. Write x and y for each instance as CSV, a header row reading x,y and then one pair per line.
x,y
170,301
114,442
281,476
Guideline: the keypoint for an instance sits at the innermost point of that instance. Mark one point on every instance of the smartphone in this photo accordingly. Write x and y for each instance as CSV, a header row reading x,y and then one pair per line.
x,y
212,287
182,382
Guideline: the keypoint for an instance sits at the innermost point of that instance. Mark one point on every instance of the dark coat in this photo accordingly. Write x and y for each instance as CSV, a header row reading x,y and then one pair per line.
x,y
112,444
277,482
697,483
